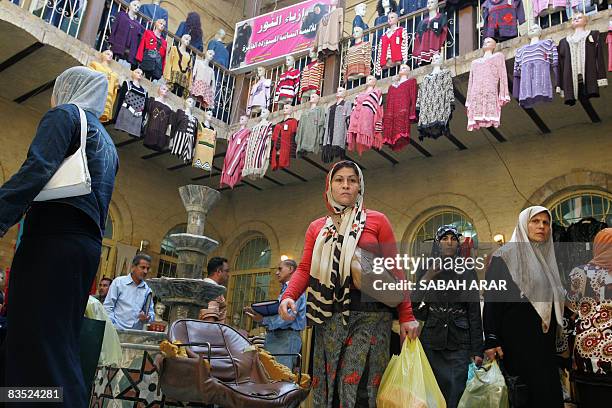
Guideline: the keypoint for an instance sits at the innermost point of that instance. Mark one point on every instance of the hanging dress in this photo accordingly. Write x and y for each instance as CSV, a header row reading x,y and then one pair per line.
x,y
204,152
259,95
178,70
400,113
131,107
334,136
283,143
184,133
157,121
365,127
257,157
234,158
203,83
435,104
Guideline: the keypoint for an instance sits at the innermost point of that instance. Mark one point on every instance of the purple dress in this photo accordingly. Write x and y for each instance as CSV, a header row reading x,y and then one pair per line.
x,y
124,38
532,79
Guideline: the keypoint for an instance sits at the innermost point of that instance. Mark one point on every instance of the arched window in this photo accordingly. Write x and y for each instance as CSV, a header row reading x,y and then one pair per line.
x,y
249,279
423,238
573,208
167,253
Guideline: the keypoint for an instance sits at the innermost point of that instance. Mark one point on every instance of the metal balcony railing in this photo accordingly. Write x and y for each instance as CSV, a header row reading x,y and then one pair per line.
x,y
66,15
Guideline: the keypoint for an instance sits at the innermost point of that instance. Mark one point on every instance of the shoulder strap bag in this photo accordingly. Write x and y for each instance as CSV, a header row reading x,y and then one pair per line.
x,y
72,178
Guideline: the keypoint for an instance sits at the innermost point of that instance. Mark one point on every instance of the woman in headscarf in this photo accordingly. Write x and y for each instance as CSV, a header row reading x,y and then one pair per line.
x,y
520,322
352,336
591,299
452,328
58,256
313,18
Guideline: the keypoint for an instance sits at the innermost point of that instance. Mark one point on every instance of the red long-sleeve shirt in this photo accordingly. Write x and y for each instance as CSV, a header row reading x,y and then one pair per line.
x,y
149,42
377,237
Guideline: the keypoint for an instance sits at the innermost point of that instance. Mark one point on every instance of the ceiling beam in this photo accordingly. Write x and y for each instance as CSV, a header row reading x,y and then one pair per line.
x,y
420,148
297,176
590,110
278,183
206,176
9,62
127,142
456,141
178,166
34,92
387,156
355,161
314,164
156,154
531,112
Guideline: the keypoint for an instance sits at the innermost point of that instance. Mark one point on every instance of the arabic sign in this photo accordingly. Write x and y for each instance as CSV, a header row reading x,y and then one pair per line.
x,y
269,37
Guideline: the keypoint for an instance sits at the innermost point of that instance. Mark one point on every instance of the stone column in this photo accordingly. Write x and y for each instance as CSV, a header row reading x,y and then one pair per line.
x,y
91,21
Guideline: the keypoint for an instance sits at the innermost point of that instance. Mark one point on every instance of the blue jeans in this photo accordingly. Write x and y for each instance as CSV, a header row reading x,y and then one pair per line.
x,y
284,342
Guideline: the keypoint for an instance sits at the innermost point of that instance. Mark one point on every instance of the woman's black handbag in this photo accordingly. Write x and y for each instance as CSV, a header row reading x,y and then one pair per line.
x,y
518,392
152,62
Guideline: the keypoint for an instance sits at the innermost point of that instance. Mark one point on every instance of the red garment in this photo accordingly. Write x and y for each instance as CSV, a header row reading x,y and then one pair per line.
x,y
430,37
365,127
400,112
283,143
393,46
149,42
377,237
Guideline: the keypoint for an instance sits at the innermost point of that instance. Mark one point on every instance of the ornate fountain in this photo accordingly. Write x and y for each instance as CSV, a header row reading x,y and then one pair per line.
x,y
188,292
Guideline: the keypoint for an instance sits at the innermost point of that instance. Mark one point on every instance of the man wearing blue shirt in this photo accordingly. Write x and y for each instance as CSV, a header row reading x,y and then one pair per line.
x,y
284,337
128,296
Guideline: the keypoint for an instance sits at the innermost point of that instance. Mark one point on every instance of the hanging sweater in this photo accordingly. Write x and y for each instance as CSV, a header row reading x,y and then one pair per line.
x,y
184,129
149,42
158,119
131,105
234,158
365,127
435,104
400,113
257,157
393,46
283,143
532,65
259,94
487,91
288,84
581,55
124,38
312,76
329,33
357,60
178,68
502,17
430,37
204,152
334,136
310,130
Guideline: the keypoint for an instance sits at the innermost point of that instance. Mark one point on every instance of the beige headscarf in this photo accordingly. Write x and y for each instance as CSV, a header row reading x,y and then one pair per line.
x,y
533,268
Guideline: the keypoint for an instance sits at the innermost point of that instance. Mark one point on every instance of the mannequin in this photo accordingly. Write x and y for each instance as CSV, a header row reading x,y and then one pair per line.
x,y
288,83
365,127
204,153
234,156
579,80
393,46
357,60
192,26
283,140
329,32
103,65
221,55
400,110
158,118
131,105
259,95
502,18
125,34
154,11
203,80
178,67
257,156
158,324
312,76
311,127
152,51
487,89
184,128
384,7
532,65
358,21
336,122
431,33
435,101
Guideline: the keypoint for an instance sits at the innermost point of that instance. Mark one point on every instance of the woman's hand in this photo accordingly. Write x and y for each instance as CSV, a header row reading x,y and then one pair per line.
x,y
410,329
283,309
492,353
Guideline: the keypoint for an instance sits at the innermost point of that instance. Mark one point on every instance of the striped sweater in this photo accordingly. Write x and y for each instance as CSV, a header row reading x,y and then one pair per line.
x,y
257,156
288,84
393,46
312,76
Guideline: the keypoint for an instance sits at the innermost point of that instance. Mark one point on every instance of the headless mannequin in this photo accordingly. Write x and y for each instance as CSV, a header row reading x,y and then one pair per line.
x,y
393,18
488,47
432,7
313,57
261,76
290,64
436,62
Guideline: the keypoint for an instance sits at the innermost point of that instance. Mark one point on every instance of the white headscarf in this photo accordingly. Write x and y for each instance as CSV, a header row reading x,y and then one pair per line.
x,y
533,268
83,87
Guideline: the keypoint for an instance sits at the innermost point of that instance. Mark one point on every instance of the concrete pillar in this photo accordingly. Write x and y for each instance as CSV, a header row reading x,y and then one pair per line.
x,y
91,22
466,25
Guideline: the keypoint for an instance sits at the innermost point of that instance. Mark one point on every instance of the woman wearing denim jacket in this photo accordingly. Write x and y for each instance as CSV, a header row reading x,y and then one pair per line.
x,y
59,253
452,331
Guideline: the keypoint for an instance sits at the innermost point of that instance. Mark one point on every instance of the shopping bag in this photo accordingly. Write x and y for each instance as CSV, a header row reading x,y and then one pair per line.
x,y
409,382
486,390
471,372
